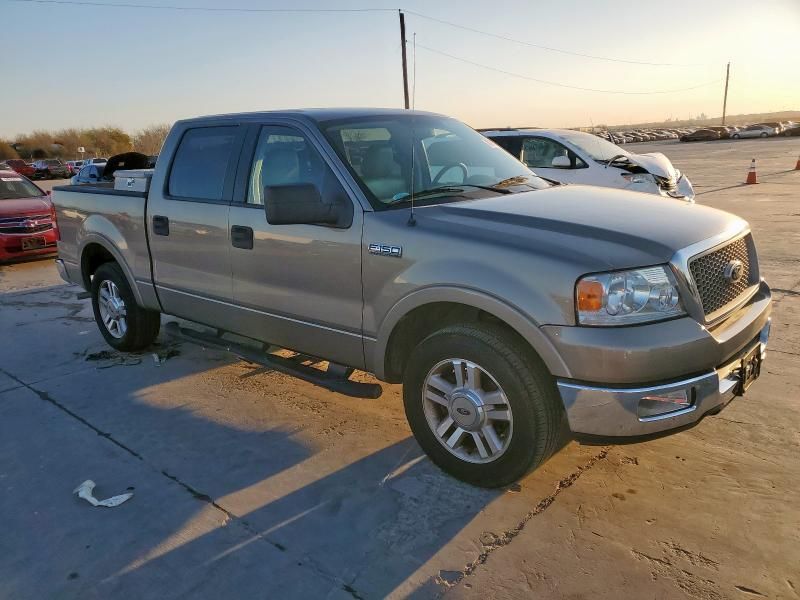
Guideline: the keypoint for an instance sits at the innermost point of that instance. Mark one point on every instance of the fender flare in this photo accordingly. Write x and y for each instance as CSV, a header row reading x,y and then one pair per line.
x,y
97,238
513,317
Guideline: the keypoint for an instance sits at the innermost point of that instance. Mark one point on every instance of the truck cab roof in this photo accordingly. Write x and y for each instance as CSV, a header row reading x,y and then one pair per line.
x,y
318,115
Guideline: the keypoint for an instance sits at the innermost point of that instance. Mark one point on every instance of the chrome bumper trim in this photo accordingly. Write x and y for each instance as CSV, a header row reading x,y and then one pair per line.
x,y
608,411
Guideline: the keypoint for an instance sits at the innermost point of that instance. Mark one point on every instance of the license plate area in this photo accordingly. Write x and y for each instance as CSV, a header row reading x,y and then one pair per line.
x,y
33,243
749,370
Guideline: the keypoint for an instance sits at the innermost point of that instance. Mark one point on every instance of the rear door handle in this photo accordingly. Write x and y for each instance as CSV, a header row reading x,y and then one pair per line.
x,y
160,225
242,237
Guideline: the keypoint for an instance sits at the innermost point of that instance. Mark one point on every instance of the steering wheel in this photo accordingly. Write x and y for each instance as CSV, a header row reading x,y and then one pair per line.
x,y
447,167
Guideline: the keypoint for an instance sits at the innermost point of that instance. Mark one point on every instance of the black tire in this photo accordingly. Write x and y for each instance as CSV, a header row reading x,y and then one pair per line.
x,y
142,325
538,415
763,134
736,136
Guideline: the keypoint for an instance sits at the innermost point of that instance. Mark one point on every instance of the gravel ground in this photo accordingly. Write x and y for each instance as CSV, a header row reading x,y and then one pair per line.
x,y
249,483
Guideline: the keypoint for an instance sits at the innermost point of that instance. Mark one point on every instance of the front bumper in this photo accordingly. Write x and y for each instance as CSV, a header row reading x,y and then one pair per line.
x,y
11,246
614,411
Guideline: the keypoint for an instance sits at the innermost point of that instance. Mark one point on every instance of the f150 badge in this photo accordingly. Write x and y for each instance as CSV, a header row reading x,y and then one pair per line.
x,y
386,250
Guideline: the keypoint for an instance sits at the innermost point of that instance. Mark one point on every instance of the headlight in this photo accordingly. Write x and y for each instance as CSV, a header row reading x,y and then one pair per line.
x,y
627,297
637,177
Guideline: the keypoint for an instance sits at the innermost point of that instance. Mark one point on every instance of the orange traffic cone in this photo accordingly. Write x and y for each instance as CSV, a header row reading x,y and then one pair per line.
x,y
797,166
751,175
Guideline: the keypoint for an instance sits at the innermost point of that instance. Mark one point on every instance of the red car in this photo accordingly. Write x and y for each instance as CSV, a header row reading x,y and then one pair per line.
x,y
21,167
27,219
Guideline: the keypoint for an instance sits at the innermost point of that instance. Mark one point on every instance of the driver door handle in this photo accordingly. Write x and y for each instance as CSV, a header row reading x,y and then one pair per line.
x,y
242,237
160,225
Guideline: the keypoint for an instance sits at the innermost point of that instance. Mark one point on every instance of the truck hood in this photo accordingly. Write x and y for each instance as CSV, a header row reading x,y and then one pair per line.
x,y
23,207
592,228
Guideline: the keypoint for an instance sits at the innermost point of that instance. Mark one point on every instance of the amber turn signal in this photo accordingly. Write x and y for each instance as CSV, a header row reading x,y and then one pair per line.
x,y
590,295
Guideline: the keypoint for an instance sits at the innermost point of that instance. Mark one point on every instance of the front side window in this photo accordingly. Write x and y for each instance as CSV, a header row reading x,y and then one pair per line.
x,y
283,156
443,157
201,163
543,153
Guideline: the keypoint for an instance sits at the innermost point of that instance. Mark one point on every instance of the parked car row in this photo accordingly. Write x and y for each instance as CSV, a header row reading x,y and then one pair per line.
x,y
48,168
694,134
756,130
641,135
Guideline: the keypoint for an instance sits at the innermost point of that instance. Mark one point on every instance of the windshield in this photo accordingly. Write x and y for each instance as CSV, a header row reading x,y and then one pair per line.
x,y
12,188
447,154
596,147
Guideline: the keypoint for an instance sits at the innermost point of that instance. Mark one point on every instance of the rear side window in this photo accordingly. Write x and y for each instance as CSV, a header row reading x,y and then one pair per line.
x,y
201,163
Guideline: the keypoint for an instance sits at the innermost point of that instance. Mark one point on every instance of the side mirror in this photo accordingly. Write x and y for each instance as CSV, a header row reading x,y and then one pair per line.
x,y
298,204
561,162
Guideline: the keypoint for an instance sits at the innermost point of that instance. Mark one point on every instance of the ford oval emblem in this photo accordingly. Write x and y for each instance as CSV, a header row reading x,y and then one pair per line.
x,y
463,411
734,271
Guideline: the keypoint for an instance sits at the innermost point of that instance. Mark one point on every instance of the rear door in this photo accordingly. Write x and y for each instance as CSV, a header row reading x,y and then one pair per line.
x,y
188,224
297,286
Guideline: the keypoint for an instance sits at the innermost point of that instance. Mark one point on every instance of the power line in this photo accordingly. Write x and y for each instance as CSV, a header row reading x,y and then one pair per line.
x,y
206,8
548,48
563,85
235,9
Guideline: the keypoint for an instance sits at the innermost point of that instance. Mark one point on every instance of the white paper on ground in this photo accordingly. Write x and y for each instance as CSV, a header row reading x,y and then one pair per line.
x,y
85,490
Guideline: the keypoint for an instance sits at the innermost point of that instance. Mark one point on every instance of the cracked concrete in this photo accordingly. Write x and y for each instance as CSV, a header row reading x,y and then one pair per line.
x,y
250,483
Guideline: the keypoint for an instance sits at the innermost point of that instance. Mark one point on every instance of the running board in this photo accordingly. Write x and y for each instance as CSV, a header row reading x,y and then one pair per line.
x,y
335,378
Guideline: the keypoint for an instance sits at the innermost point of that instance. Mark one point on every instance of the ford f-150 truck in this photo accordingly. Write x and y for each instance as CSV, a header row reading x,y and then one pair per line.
x,y
407,245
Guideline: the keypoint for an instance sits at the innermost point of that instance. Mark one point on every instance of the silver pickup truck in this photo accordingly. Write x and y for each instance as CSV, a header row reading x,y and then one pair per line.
x,y
407,245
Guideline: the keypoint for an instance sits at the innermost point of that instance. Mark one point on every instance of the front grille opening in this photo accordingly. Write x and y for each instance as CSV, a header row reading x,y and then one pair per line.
x,y
715,289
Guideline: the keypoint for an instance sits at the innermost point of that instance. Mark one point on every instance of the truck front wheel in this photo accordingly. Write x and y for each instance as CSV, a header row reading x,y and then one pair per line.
x,y
124,324
481,405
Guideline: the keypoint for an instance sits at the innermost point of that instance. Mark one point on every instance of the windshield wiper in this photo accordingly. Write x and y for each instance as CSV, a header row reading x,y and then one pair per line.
x,y
443,189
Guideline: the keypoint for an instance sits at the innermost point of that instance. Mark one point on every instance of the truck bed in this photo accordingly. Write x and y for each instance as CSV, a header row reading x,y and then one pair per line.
x,y
93,212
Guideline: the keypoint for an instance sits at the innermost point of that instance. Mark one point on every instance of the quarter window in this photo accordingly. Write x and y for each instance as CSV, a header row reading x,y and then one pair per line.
x,y
283,156
201,163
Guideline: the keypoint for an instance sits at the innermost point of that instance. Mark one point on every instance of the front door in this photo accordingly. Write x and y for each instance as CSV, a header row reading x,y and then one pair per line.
x,y
296,286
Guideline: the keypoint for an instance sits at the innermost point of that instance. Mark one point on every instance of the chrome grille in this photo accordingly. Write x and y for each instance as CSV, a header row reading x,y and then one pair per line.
x,y
708,271
32,224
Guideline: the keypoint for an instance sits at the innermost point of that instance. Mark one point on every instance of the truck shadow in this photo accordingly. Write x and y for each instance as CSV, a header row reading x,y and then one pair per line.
x,y
235,503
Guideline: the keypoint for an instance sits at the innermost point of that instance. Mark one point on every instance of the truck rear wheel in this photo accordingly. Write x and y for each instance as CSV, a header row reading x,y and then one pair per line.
x,y
124,324
481,405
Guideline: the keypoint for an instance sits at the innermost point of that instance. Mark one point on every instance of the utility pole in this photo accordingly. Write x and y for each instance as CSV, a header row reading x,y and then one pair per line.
x,y
403,50
725,100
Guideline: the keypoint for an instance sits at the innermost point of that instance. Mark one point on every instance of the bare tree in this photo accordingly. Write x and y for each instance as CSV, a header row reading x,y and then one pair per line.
x,y
150,139
6,151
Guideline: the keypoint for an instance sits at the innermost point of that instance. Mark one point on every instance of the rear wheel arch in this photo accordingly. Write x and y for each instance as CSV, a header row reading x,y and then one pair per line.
x,y
413,319
92,256
97,251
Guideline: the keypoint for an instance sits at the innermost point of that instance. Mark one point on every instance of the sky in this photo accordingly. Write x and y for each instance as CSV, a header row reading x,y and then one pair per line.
x,y
79,65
